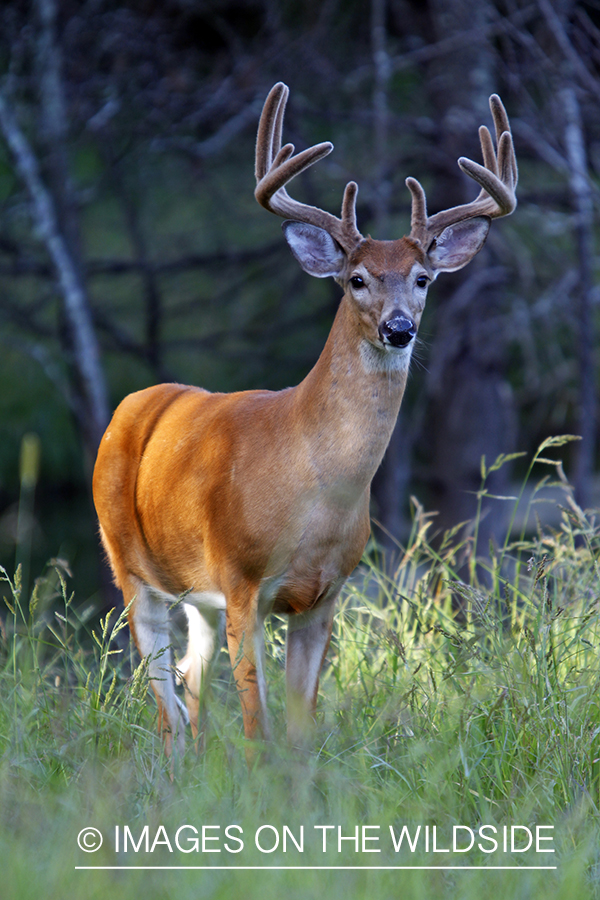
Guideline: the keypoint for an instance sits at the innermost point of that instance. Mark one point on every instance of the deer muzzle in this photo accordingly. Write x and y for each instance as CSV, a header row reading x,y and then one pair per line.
x,y
397,331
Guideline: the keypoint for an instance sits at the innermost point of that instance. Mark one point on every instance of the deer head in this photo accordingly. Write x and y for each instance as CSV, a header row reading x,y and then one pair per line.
x,y
386,281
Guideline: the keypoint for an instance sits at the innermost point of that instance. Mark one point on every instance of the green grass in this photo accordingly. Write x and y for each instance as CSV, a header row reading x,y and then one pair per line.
x,y
443,703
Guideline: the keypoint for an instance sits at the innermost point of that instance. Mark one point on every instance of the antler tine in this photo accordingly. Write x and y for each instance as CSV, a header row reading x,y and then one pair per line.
x,y
418,214
487,148
497,178
268,139
276,166
501,123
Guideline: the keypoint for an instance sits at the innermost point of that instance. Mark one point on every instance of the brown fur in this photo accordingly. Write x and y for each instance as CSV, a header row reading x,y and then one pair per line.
x,y
222,492
260,496
389,256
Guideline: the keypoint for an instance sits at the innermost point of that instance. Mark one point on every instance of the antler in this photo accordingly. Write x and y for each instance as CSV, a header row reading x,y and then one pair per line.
x,y
276,165
497,177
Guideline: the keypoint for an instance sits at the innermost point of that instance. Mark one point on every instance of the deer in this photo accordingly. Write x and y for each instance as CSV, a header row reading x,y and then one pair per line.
x,y
239,505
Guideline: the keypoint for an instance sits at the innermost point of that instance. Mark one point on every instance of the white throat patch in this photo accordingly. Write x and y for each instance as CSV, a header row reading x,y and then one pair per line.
x,y
386,359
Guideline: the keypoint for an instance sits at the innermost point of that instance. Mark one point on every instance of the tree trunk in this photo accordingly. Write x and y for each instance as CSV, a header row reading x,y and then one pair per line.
x,y
56,213
470,410
581,201
390,483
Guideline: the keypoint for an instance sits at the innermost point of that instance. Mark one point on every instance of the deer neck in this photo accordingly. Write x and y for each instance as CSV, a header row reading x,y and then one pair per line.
x,y
348,403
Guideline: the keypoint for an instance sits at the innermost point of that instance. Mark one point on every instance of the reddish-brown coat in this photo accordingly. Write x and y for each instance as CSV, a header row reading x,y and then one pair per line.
x,y
263,497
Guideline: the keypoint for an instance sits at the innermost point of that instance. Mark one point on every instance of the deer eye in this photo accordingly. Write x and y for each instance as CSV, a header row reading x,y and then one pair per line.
x,y
357,282
422,281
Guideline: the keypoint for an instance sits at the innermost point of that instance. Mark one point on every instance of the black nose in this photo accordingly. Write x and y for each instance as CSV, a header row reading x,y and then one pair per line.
x,y
397,331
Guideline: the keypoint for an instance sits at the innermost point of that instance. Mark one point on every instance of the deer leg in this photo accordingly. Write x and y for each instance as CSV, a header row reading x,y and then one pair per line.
x,y
149,625
308,638
246,645
194,667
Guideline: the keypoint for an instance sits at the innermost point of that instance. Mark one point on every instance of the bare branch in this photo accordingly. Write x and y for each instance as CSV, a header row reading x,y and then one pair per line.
x,y
46,361
570,54
452,44
26,265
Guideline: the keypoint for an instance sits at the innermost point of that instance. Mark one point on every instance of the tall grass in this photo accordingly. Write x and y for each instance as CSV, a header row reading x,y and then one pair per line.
x,y
457,692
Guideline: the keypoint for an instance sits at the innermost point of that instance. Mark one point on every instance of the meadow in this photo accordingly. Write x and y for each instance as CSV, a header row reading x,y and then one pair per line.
x,y
456,752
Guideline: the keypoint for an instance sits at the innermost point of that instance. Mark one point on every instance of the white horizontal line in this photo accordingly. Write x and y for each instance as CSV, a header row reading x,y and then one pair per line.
x,y
315,868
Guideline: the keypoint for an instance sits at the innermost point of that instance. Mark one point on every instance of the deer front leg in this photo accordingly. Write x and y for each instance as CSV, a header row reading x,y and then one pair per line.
x,y
308,638
245,642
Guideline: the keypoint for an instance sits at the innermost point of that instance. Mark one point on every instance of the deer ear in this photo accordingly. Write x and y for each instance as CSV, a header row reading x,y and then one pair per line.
x,y
458,244
315,249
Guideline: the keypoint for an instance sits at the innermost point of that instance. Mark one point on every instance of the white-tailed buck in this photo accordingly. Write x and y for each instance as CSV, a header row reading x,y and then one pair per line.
x,y
258,502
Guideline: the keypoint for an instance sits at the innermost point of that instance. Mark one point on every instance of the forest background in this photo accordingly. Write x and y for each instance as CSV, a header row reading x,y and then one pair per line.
x,y
132,250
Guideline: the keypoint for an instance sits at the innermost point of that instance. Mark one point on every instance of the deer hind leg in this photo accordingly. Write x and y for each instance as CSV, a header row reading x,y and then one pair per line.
x,y
193,669
246,645
149,625
308,638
